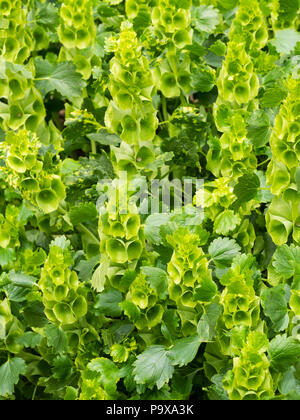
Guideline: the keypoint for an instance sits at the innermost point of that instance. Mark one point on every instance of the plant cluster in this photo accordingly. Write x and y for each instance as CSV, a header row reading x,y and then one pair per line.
x,y
107,290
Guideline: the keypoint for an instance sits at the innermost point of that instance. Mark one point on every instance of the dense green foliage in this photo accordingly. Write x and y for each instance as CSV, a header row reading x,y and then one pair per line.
x,y
99,300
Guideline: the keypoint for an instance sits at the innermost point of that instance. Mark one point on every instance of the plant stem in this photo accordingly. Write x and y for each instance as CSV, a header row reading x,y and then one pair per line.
x,y
89,233
82,227
94,147
262,163
165,109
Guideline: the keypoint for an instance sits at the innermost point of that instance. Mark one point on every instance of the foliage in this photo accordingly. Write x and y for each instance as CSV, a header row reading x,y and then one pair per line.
x,y
101,299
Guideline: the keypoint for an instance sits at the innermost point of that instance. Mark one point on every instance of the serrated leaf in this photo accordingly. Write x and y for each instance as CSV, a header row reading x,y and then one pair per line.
x,y
61,77
30,339
184,350
9,375
153,367
86,212
105,138
157,279
223,251
226,222
284,352
206,18
285,40
246,189
275,307
56,338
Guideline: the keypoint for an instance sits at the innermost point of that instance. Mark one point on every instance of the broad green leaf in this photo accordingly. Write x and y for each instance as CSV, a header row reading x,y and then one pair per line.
x,y
108,371
206,18
223,251
284,352
84,213
226,222
9,375
152,227
107,303
184,350
30,339
206,291
56,338
285,260
259,128
153,367
285,40
275,307
105,138
61,77
157,279
246,189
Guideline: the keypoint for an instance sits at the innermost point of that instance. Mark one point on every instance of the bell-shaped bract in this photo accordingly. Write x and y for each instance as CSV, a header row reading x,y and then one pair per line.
x,y
284,212
249,26
63,296
16,41
40,184
131,114
250,378
77,28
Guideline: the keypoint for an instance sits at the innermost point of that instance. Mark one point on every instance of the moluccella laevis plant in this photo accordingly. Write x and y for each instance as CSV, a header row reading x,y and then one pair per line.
x,y
283,217
16,41
32,170
131,113
77,32
63,295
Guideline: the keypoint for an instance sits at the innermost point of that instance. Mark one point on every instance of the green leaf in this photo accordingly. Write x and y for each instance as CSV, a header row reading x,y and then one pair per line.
x,y
285,40
226,222
9,375
152,227
157,279
275,307
7,256
21,279
218,48
61,242
206,291
184,350
223,251
34,314
63,367
288,383
153,367
56,338
285,260
259,128
85,212
61,77
108,371
207,324
246,189
206,18
105,138
86,268
107,303
284,352
273,97
30,339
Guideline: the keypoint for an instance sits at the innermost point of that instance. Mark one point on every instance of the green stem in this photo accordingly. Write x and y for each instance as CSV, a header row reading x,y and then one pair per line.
x,y
165,109
34,392
94,147
89,233
183,100
82,227
262,163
